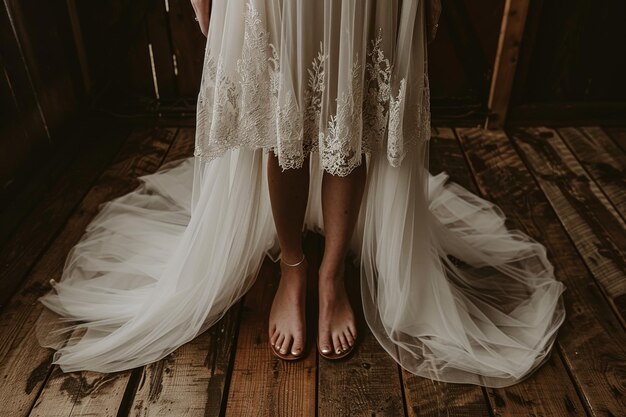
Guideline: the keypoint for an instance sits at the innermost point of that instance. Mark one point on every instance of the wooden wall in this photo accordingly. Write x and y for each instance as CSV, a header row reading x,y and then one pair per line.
x,y
137,57
153,49
40,85
572,63
569,62
461,59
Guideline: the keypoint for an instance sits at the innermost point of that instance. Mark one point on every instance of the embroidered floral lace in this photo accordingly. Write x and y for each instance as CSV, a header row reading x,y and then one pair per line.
x,y
250,107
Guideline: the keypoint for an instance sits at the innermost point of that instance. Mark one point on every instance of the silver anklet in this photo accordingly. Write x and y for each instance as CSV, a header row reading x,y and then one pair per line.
x,y
296,264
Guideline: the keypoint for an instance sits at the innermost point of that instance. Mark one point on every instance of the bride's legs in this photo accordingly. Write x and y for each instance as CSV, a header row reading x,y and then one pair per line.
x,y
341,200
288,195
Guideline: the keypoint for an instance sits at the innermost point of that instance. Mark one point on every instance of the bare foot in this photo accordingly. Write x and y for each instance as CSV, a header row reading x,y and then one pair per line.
x,y
287,315
336,326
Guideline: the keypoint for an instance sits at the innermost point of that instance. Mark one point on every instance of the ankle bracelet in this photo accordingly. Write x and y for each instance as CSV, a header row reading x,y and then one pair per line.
x,y
296,264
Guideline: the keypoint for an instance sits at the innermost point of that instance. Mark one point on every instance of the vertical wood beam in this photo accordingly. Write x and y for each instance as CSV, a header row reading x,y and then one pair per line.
x,y
79,43
511,33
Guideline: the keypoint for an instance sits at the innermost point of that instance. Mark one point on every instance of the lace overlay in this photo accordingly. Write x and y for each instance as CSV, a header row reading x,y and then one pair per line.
x,y
252,108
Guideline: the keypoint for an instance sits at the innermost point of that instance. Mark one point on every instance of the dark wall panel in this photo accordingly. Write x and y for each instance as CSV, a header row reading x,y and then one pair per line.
x,y
576,55
40,85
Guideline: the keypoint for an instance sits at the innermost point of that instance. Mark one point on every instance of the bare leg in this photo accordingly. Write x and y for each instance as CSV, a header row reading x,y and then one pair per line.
x,y
341,200
288,194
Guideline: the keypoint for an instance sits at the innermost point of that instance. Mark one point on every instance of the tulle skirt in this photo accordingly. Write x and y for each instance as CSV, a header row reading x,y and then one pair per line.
x,y
447,290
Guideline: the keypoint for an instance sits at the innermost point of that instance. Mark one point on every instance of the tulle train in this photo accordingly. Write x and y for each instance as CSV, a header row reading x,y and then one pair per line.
x,y
447,290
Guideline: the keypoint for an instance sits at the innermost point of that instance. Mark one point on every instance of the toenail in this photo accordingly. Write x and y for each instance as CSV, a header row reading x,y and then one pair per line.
x,y
325,349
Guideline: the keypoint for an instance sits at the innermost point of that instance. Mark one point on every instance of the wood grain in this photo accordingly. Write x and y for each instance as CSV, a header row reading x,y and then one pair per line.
x,y
596,228
70,175
603,160
23,361
157,24
81,394
188,44
511,33
367,383
84,393
192,380
536,394
262,384
591,341
423,396
618,134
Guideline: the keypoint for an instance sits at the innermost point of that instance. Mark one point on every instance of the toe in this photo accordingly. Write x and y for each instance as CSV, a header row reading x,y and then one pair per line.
x,y
337,343
286,344
298,346
352,329
343,341
274,336
348,336
279,341
326,345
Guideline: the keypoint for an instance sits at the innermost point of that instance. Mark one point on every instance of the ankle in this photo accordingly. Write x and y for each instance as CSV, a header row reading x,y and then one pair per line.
x,y
332,273
292,260
295,269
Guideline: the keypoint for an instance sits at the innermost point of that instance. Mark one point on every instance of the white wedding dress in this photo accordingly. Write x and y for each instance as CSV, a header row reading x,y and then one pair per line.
x,y
333,79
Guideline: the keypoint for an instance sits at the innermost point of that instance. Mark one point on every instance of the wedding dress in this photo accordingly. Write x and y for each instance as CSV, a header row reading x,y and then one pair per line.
x,y
334,80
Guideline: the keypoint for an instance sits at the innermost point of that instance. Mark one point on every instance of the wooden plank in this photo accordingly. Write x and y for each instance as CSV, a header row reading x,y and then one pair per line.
x,y
27,128
426,397
261,384
162,55
119,63
188,45
591,341
597,230
366,383
192,380
618,134
84,393
472,55
81,394
142,79
446,155
511,33
573,60
17,72
566,113
603,160
14,140
423,396
47,45
68,173
533,396
531,32
22,360
79,44
549,391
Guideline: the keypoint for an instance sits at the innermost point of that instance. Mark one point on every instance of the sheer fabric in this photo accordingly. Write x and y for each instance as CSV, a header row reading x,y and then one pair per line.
x,y
300,76
448,291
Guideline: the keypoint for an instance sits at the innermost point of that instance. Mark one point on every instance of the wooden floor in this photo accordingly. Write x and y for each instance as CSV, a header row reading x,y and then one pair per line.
x,y
565,187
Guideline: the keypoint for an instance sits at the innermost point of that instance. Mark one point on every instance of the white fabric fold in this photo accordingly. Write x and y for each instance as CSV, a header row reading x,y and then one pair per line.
x,y
448,291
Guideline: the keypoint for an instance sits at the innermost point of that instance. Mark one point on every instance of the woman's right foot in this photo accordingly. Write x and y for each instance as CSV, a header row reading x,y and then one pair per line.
x,y
336,325
287,316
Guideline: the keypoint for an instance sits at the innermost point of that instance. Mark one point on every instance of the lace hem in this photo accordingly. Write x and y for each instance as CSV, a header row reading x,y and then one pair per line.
x,y
255,111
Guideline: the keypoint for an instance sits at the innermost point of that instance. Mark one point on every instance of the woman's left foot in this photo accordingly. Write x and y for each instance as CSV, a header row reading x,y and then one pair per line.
x,y
336,325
